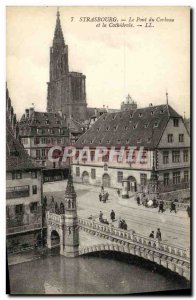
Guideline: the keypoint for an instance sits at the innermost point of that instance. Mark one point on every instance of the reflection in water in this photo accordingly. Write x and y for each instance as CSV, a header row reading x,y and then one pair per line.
x,y
86,275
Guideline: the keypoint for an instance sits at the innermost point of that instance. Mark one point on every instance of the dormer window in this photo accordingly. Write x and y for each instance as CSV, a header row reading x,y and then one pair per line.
x,y
126,127
156,124
140,115
113,117
176,122
161,111
148,140
152,112
98,129
127,141
91,141
146,125
107,128
115,128
47,121
131,115
134,126
100,141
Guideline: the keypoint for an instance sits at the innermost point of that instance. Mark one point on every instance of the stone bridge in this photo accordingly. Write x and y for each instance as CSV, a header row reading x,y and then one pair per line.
x,y
176,259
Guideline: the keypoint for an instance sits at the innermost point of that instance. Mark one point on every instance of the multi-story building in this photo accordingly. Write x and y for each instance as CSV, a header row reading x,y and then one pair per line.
x,y
23,193
66,90
158,131
39,131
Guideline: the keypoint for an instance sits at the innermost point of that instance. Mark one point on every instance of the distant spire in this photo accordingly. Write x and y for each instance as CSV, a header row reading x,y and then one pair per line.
x,y
184,115
167,99
58,39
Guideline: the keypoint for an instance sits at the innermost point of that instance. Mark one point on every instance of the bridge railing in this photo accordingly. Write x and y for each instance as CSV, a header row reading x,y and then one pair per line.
x,y
131,237
54,217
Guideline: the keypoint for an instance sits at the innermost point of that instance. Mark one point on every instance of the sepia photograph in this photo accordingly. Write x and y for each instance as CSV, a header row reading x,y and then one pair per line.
x,y
98,150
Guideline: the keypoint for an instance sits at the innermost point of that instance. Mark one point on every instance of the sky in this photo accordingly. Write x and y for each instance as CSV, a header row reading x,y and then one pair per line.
x,y
144,62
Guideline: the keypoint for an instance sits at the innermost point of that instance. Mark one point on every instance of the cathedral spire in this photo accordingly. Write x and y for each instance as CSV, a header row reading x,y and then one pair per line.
x,y
58,39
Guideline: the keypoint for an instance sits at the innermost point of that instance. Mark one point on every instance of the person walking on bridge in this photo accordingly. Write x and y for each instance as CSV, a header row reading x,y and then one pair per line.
x,y
158,235
112,215
100,216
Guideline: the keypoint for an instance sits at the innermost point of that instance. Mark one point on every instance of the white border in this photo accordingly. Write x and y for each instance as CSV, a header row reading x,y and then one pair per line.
x,y
3,4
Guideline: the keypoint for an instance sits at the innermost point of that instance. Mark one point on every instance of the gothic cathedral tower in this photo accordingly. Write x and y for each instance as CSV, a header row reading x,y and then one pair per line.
x,y
70,245
66,90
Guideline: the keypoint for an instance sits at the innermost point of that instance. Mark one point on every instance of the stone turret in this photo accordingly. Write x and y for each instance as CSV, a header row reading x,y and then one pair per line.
x,y
71,231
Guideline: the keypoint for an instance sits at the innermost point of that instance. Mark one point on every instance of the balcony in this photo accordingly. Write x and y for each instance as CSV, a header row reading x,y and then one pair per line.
x,y
23,228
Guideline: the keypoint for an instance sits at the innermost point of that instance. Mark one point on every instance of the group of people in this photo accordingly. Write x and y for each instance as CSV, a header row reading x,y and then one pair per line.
x,y
122,224
105,221
158,235
147,203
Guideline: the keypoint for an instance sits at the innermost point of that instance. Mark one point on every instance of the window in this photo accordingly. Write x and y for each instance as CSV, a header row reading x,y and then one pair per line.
x,y
148,140
93,173
185,155
156,124
78,171
108,141
126,127
107,128
34,174
37,153
47,121
152,112
165,157
135,126
43,152
181,138
98,129
143,179
131,115
33,207
24,141
176,177
34,189
119,176
18,175
186,176
170,138
176,122
176,156
166,179
36,141
113,117
146,125
140,115
115,128
19,209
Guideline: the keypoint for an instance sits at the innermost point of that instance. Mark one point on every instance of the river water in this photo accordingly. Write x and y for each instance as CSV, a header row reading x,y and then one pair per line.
x,y
88,275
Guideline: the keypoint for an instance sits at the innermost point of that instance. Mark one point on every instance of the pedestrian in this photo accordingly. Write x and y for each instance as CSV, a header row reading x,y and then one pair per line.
x,y
188,211
102,189
161,206
100,197
138,200
154,203
151,235
173,206
120,223
124,225
118,192
106,196
158,234
112,215
100,216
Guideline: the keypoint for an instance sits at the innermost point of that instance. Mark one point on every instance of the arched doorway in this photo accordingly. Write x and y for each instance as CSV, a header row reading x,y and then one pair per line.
x,y
55,239
85,177
106,180
132,186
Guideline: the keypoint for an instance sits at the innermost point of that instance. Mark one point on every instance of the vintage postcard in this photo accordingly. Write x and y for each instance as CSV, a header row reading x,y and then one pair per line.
x,y
98,151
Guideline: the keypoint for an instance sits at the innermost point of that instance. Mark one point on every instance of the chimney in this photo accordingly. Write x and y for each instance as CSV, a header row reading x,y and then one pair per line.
x,y
31,111
27,113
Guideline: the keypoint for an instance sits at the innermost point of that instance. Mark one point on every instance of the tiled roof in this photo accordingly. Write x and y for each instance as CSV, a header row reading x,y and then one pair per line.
x,y
16,157
140,127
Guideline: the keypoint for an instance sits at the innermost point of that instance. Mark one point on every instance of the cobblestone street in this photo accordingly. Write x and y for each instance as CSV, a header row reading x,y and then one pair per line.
x,y
175,228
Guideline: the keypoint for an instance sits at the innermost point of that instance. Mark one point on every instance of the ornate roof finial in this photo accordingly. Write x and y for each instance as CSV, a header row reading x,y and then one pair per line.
x,y
58,13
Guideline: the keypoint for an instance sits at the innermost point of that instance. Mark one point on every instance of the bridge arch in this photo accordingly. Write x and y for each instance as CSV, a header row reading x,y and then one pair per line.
x,y
55,238
166,262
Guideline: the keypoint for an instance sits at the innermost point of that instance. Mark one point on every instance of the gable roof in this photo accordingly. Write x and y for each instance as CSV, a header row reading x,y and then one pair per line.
x,y
16,157
140,127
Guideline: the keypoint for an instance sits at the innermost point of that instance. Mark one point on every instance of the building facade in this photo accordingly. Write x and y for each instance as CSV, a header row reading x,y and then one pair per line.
x,y
66,90
161,144
39,132
23,194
